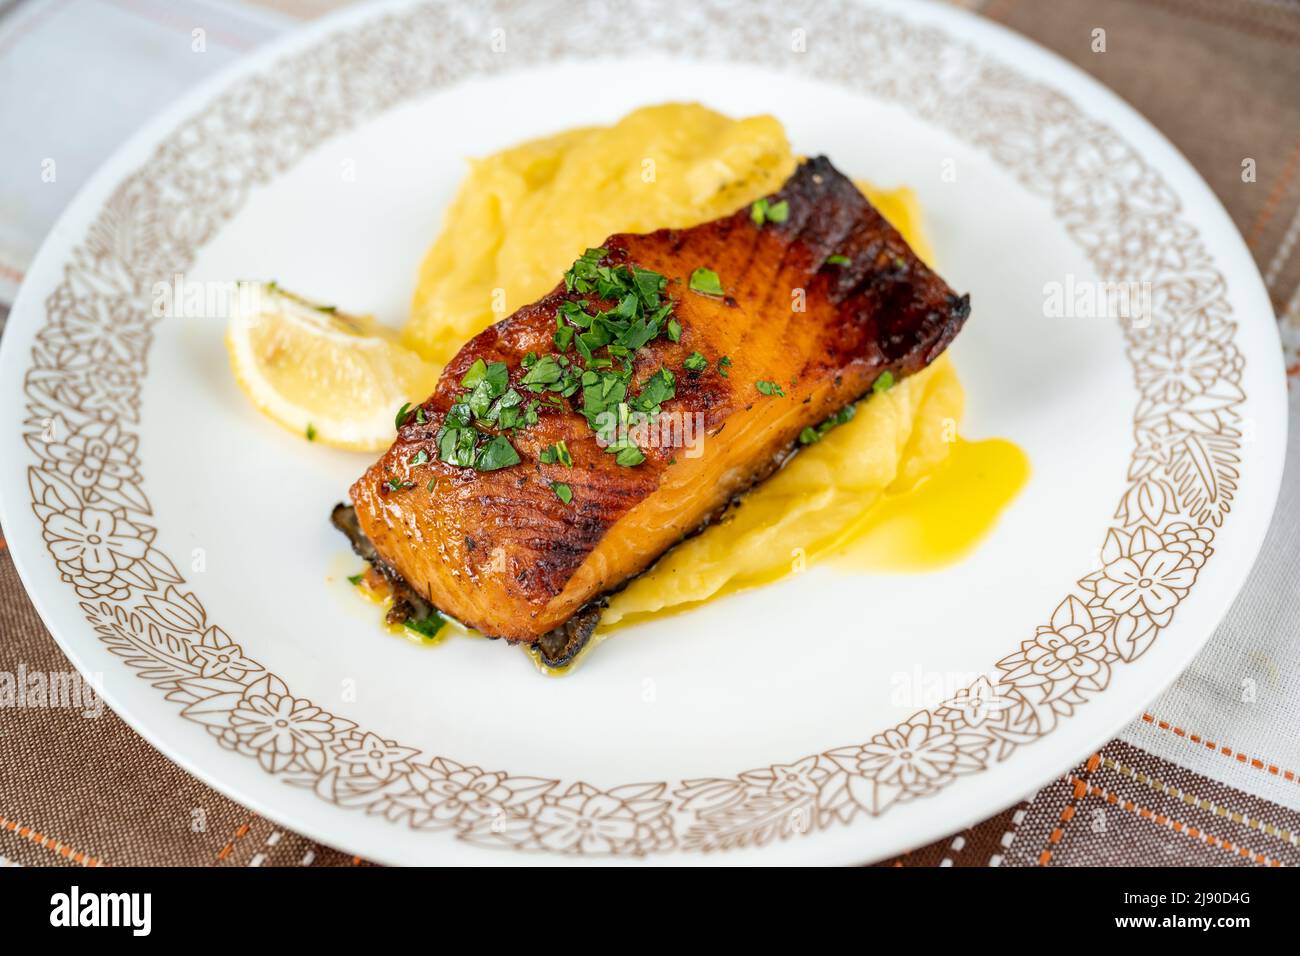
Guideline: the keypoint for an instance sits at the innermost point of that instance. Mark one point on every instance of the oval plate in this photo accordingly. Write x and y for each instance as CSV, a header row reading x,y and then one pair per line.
x,y
177,543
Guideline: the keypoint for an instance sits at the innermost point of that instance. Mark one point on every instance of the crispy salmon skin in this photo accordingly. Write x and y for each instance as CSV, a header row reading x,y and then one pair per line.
x,y
803,305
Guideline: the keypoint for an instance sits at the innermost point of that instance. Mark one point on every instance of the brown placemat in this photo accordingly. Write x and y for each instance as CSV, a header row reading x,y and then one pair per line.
x,y
1222,79
81,787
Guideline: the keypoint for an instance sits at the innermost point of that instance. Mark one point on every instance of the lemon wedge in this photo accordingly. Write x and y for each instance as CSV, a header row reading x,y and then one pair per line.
x,y
323,374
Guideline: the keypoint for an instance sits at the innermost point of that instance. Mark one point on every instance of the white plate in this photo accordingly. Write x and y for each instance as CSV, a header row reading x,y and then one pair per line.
x,y
326,162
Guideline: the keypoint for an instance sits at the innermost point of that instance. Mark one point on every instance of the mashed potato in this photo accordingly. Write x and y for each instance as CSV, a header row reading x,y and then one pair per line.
x,y
523,215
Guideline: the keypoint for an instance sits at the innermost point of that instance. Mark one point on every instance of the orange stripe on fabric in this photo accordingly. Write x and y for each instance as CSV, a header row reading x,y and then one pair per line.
x,y
1274,197
1067,812
48,842
1186,829
1240,817
1237,755
229,848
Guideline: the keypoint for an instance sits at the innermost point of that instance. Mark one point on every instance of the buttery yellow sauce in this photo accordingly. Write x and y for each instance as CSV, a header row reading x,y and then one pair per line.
x,y
893,490
942,518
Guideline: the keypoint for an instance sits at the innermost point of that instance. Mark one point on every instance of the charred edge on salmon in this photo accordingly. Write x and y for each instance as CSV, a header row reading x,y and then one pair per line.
x,y
556,648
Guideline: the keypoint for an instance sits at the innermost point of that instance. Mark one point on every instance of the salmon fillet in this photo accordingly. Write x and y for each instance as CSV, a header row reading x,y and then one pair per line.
x,y
820,300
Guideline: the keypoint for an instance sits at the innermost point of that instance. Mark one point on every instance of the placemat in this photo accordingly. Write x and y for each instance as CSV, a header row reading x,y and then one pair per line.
x,y
1206,776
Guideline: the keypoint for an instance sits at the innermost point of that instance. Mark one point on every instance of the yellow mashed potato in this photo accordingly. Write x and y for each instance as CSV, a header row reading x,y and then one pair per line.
x,y
523,215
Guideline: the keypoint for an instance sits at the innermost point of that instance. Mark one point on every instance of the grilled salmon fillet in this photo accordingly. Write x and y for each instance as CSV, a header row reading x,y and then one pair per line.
x,y
814,303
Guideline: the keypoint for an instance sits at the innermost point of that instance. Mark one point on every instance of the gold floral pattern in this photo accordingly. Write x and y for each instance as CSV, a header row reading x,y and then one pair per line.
x,y
89,360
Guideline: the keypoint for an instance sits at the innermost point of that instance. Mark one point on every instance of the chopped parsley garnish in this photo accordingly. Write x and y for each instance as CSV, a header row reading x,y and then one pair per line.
x,y
706,282
545,371
497,453
601,393
883,384
627,455
583,274
356,578
648,285
426,626
311,432
562,491
763,210
457,439
815,433
489,402
594,361
396,484
506,411
402,414
475,373
559,452
769,388
724,363
695,362
420,457
609,409
486,383
530,416
838,260
658,388
641,314
458,444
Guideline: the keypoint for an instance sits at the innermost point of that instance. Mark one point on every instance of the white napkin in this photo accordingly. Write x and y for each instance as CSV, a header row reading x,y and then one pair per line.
x,y
77,77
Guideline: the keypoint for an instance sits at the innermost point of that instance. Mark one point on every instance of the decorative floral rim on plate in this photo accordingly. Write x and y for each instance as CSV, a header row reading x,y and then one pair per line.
x,y
88,365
